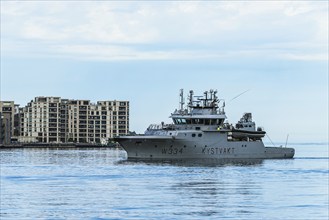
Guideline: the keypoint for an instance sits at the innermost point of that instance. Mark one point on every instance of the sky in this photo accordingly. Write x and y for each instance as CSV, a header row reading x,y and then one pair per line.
x,y
146,51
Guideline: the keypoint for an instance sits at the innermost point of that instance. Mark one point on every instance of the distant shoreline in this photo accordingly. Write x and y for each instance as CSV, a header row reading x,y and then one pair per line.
x,y
56,145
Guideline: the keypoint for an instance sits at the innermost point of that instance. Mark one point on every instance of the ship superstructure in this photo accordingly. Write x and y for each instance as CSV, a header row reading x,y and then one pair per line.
x,y
199,131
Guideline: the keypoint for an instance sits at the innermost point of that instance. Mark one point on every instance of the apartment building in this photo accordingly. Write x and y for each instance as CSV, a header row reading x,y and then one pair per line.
x,y
40,120
8,109
52,119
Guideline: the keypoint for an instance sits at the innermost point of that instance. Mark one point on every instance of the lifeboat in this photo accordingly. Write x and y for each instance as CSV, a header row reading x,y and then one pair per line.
x,y
240,133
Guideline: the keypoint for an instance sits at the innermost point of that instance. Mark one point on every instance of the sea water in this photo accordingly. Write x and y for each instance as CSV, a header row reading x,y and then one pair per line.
x,y
61,183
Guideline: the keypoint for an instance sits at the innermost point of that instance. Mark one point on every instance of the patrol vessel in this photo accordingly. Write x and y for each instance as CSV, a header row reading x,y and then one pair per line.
x,y
199,131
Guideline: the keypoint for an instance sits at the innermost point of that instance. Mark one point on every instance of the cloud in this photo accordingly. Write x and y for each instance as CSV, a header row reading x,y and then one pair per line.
x,y
306,57
165,30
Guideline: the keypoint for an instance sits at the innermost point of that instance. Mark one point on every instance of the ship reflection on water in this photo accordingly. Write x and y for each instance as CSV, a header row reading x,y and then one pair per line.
x,y
195,162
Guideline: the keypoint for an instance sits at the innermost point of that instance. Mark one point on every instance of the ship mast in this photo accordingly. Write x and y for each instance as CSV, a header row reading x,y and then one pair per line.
x,y
190,104
181,100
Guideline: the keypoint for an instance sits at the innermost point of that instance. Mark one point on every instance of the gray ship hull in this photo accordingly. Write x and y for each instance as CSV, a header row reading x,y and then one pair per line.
x,y
169,147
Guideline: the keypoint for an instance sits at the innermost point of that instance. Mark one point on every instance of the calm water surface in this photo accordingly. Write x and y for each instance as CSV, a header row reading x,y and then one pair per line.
x,y
102,184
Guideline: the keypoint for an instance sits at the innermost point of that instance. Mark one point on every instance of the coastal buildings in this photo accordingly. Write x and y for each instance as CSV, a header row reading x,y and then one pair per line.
x,y
57,120
8,121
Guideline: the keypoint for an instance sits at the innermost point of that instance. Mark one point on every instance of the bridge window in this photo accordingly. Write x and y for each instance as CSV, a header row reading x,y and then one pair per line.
x,y
198,121
219,121
207,121
179,121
